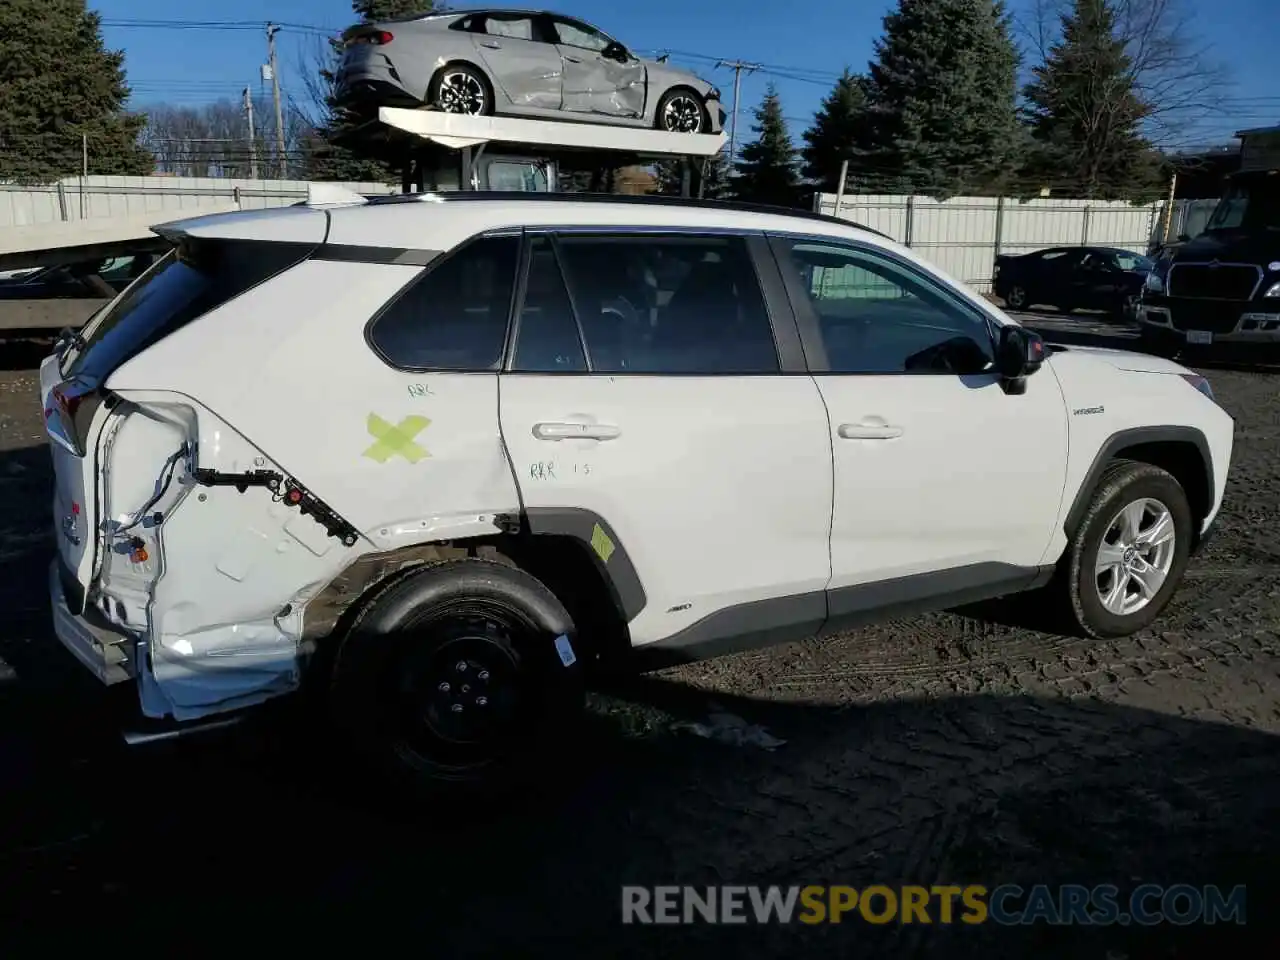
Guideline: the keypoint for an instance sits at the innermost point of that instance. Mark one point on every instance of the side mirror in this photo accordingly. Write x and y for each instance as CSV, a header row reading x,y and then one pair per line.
x,y
616,51
1019,354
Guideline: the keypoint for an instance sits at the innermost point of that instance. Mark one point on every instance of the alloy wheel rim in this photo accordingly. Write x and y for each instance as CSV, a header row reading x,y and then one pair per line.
x,y
1017,297
1135,556
461,93
682,114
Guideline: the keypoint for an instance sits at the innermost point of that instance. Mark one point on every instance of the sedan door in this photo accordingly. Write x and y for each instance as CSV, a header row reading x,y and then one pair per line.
x,y
526,67
594,82
646,406
944,483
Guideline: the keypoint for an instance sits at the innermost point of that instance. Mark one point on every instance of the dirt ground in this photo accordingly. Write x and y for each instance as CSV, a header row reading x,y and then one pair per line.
x,y
935,750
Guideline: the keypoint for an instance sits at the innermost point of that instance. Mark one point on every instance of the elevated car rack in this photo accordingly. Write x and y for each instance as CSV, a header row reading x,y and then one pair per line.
x,y
423,140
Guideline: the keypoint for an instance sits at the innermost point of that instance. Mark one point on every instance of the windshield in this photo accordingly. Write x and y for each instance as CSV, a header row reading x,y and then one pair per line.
x,y
1248,207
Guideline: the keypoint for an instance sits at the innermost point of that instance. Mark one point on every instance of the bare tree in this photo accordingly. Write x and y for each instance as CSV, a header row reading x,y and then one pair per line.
x,y
212,139
1173,69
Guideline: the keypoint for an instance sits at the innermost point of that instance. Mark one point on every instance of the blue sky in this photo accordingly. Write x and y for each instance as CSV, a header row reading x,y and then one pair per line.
x,y
804,48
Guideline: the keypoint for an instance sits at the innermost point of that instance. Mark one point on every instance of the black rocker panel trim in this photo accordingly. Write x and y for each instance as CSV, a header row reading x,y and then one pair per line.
x,y
764,623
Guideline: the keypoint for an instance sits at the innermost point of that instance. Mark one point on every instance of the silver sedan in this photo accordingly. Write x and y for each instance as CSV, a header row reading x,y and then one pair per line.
x,y
519,63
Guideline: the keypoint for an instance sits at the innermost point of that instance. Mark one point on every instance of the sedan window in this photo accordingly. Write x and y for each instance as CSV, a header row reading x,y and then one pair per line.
x,y
515,27
580,35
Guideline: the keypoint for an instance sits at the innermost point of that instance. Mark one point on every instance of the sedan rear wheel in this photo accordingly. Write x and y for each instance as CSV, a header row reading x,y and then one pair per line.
x,y
1016,298
460,89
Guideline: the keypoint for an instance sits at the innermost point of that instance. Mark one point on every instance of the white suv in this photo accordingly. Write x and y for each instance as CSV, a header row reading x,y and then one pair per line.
x,y
442,452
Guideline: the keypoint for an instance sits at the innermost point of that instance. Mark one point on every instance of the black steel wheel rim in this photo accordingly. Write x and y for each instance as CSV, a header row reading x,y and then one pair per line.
x,y
458,692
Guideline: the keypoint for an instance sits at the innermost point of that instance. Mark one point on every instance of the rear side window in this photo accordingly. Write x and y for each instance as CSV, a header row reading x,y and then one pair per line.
x,y
188,282
669,304
454,316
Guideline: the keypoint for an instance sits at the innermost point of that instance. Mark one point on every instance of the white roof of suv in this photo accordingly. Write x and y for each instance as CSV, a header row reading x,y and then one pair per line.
x,y
414,221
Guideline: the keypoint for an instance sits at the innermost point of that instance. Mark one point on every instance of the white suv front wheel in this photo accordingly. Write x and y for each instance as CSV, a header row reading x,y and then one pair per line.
x,y
1130,551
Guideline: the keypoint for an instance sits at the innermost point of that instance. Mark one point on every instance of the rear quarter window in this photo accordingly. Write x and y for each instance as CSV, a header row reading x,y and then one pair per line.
x,y
189,281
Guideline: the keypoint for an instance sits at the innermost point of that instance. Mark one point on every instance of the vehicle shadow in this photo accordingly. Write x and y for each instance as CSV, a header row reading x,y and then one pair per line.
x,y
23,352
264,830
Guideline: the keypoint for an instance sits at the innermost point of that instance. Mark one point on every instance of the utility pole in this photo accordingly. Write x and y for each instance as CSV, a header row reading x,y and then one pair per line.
x,y
1168,209
253,136
272,30
737,66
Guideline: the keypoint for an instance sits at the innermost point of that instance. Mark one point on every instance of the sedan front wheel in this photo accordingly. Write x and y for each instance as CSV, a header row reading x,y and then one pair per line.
x,y
681,111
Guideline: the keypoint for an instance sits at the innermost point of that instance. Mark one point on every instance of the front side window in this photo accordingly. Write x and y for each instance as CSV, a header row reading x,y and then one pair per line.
x,y
878,316
669,304
573,34
454,316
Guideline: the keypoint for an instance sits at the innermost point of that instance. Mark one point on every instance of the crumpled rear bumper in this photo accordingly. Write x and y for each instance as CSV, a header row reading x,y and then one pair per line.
x,y
106,653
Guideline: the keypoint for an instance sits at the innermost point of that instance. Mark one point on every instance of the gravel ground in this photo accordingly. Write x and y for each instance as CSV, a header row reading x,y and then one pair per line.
x,y
946,749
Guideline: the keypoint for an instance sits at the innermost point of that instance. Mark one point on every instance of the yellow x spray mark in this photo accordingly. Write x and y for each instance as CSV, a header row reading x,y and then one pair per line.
x,y
397,440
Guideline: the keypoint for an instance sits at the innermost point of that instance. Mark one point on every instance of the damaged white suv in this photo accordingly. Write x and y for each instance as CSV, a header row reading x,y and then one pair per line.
x,y
437,454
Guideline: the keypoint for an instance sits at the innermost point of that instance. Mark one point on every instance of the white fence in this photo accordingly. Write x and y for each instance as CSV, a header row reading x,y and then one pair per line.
x,y
964,235
87,198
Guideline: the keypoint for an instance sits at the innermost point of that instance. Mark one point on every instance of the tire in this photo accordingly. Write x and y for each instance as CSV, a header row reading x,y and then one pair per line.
x,y
681,110
1017,298
459,88
1124,484
450,681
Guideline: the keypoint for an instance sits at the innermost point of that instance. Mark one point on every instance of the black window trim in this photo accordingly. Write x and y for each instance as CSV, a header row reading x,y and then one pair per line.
x,y
419,277
806,317
778,310
517,310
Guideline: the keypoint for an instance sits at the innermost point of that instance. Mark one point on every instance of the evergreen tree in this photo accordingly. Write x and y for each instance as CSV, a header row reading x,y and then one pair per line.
x,y
942,100
838,127
767,165
1085,114
330,160
60,89
715,183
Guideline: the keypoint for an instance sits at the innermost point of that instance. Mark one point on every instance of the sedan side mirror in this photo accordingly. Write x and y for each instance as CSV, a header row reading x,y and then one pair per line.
x,y
616,51
1019,354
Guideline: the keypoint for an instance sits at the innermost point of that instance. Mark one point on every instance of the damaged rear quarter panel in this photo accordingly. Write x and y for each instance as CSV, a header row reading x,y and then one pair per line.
x,y
283,374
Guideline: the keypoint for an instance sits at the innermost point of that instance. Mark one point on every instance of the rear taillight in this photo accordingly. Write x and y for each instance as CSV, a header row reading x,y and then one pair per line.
x,y
72,405
379,38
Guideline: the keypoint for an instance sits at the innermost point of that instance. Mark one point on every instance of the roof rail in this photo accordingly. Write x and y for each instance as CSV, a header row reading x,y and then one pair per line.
x,y
516,196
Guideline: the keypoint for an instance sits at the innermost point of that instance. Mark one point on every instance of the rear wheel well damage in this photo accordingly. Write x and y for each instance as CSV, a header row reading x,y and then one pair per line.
x,y
563,563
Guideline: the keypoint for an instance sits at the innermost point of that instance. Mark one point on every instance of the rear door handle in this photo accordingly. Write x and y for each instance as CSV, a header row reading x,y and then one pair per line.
x,y
558,430
868,431
572,60
491,44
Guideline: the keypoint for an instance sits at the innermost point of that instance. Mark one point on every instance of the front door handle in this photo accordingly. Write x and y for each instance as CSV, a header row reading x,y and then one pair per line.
x,y
572,60
491,44
868,431
558,430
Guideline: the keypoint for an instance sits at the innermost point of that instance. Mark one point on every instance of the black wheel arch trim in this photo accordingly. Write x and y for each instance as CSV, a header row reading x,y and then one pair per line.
x,y
618,571
1135,436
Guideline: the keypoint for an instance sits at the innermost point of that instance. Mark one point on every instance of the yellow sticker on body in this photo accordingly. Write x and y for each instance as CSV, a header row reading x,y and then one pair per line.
x,y
601,543
397,440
